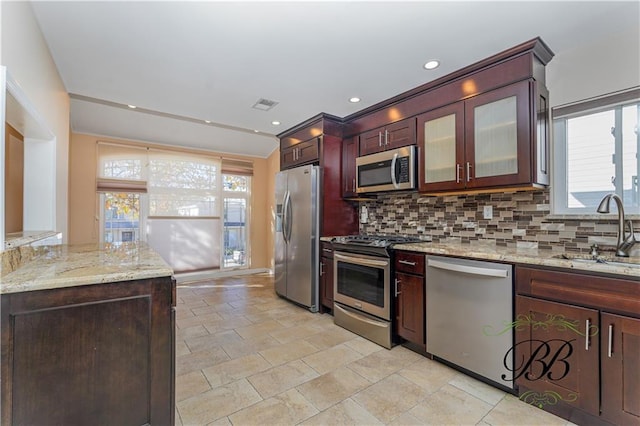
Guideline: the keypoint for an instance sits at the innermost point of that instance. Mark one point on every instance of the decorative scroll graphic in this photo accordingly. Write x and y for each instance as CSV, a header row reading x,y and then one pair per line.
x,y
540,399
544,355
557,321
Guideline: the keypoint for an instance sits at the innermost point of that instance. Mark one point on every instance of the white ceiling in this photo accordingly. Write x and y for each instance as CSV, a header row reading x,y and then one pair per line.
x,y
214,60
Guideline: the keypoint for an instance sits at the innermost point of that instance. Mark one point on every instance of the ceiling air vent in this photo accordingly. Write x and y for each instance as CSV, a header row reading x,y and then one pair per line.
x,y
264,104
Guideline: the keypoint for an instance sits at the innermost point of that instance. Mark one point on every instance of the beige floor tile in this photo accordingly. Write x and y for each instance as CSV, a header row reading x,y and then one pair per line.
x,y
193,331
216,403
211,341
282,378
197,320
181,348
220,422
223,324
364,346
287,408
480,390
390,397
296,332
331,388
430,375
450,406
249,346
332,358
330,337
348,412
381,364
191,384
287,352
199,360
235,369
299,317
511,411
258,330
406,419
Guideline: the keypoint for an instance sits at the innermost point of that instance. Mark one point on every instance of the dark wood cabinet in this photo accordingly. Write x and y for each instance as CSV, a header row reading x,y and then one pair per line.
x,y
326,275
349,154
577,345
394,135
300,154
318,141
486,141
410,298
620,364
97,354
559,340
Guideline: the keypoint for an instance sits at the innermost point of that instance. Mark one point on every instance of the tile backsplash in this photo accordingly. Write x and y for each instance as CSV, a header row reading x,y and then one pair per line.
x,y
520,219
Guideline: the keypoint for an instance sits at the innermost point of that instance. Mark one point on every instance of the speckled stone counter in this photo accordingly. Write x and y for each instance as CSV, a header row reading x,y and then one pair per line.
x,y
629,267
73,265
18,239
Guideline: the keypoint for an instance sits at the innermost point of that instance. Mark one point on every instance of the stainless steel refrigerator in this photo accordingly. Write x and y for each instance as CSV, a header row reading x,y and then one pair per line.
x,y
297,233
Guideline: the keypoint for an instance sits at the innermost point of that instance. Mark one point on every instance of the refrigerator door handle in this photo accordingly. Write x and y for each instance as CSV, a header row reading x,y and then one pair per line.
x,y
288,211
285,218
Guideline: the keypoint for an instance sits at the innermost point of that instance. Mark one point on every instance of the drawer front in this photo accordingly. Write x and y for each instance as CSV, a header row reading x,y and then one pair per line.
x,y
412,263
326,249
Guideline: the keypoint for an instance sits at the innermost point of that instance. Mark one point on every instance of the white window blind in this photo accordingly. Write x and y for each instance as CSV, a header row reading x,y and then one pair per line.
x,y
183,185
121,168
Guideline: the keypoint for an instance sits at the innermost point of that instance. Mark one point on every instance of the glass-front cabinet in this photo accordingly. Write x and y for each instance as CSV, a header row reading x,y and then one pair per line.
x,y
484,141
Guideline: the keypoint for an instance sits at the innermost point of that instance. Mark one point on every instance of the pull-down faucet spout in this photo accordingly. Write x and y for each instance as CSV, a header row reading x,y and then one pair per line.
x,y
625,242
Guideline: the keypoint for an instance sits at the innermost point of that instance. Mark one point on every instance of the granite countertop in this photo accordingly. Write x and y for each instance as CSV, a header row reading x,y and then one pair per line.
x,y
61,266
628,267
17,239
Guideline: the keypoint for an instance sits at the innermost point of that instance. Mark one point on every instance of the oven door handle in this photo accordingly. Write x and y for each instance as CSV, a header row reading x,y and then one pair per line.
x,y
360,260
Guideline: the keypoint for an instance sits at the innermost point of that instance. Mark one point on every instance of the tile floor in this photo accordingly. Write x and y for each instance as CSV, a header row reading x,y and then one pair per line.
x,y
244,356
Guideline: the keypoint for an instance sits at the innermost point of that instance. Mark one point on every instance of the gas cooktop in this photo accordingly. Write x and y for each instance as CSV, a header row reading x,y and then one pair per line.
x,y
371,244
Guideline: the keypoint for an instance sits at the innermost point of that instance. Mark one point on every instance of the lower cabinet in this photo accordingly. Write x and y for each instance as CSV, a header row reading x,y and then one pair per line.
x,y
410,300
577,345
95,354
326,276
620,364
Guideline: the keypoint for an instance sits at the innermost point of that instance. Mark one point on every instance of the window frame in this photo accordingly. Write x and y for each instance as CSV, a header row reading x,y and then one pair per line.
x,y
559,183
247,195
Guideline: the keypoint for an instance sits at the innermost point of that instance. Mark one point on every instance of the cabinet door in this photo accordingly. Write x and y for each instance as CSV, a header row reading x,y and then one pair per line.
x,y
498,137
288,157
401,133
556,354
372,141
620,363
410,289
441,138
349,154
326,282
308,151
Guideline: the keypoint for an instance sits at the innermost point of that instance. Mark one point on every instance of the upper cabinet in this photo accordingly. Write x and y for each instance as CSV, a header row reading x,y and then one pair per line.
x,y
299,154
349,154
486,141
394,135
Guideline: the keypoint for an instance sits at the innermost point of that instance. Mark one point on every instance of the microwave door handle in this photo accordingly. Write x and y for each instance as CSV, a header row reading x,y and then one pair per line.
x,y
393,170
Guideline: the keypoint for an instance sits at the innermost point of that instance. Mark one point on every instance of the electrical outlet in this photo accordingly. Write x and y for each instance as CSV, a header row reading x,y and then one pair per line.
x,y
487,212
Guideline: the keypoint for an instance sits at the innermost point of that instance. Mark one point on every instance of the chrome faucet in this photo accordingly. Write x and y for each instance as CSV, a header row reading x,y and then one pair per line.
x,y
625,242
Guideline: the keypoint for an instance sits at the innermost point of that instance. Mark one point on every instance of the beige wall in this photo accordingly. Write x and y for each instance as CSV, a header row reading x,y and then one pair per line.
x,y
273,167
83,200
25,54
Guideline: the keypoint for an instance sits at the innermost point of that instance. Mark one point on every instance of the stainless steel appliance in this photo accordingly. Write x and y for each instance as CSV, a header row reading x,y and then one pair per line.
x,y
387,171
297,235
363,267
469,312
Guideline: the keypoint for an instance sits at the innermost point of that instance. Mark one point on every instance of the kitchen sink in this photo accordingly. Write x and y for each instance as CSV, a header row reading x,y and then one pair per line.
x,y
608,260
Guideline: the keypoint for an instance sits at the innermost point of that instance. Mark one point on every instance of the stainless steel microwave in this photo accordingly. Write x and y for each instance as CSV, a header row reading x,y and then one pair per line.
x,y
387,171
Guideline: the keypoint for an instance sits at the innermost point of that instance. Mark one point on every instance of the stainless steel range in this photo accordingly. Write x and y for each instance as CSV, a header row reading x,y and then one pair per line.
x,y
363,298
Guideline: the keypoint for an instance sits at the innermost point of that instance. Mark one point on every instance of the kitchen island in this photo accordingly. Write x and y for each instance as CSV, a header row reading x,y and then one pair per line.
x,y
88,336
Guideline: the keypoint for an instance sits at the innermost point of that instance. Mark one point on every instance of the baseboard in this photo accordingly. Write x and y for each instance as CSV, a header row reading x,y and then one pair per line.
x,y
190,277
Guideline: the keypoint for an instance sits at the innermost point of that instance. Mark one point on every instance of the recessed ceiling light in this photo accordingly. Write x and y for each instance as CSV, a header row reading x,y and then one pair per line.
x,y
257,131
132,106
275,123
207,121
431,65
354,100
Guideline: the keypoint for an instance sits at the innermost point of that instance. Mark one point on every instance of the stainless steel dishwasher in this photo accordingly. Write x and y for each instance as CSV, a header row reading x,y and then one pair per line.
x,y
469,309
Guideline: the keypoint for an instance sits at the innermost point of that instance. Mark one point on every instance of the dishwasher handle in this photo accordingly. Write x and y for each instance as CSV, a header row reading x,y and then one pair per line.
x,y
473,270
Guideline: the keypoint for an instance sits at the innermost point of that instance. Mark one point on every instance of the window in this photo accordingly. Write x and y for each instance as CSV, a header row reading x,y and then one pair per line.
x,y
236,201
596,148
178,203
